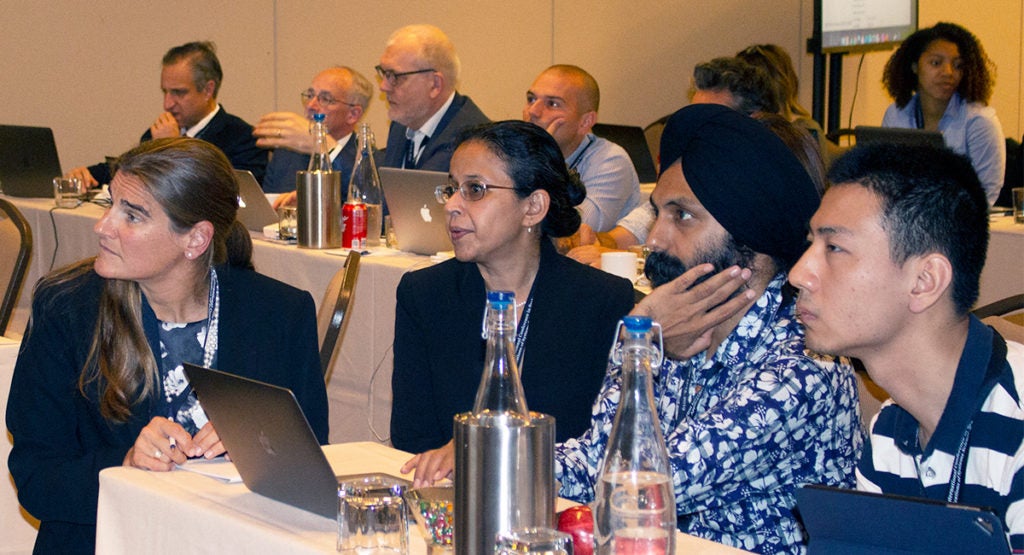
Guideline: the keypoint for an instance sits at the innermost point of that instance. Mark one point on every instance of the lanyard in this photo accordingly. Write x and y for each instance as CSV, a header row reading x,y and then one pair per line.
x,y
956,477
209,342
576,161
522,329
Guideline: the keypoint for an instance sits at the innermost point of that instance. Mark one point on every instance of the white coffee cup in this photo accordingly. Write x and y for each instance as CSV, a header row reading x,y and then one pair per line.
x,y
622,264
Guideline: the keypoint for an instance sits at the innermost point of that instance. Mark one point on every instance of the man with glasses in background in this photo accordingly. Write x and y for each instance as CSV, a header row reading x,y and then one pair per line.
x,y
342,95
190,80
418,74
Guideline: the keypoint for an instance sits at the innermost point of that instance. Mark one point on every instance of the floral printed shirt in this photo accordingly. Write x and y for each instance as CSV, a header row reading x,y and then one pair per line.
x,y
743,428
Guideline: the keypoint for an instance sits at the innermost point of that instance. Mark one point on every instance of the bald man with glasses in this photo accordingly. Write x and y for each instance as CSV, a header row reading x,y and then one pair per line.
x,y
418,74
342,95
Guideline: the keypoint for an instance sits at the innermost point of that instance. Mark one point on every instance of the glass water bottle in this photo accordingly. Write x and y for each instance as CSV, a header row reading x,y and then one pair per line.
x,y
634,507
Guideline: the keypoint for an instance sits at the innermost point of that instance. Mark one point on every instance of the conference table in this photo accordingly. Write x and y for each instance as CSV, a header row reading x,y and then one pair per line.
x,y
359,389
184,512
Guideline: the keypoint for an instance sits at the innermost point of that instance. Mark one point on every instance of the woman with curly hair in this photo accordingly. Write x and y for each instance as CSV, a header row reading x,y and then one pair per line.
x,y
941,80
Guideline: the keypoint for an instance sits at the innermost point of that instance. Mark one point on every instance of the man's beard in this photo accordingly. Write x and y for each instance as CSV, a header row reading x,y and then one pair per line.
x,y
661,267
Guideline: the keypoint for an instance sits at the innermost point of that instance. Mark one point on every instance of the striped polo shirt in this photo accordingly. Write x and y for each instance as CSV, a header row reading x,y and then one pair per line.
x,y
987,396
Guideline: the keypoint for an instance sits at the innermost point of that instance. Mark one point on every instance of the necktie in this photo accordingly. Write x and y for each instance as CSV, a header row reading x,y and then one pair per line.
x,y
410,153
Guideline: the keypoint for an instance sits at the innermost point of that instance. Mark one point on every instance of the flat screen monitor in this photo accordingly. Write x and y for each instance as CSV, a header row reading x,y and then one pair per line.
x,y
858,25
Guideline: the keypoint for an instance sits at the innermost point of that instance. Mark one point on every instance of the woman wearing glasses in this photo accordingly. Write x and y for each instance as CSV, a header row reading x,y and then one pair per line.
x,y
99,379
509,194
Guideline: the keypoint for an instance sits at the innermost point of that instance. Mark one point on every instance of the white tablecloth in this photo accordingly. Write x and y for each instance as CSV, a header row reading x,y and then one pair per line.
x,y
1004,267
357,410
181,512
18,528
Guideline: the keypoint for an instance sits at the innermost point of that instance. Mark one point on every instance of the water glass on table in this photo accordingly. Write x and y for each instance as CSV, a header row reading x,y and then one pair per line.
x,y
288,223
372,514
533,541
68,192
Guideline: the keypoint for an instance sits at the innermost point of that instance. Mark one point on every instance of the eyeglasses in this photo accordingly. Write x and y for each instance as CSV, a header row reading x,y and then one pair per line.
x,y
324,99
392,77
470,190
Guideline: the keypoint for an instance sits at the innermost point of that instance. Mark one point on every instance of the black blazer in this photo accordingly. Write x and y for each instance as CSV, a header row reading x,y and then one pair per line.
x,y
437,153
267,332
439,355
229,133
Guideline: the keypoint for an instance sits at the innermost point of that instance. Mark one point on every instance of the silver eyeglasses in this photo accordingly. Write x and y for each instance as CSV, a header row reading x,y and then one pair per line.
x,y
392,77
325,99
470,190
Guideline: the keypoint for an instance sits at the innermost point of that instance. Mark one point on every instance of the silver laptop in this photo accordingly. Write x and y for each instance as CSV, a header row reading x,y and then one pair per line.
x,y
28,161
866,134
254,210
269,440
419,222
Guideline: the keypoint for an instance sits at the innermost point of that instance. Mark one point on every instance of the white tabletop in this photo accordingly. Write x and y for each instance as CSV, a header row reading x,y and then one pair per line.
x,y
182,512
19,529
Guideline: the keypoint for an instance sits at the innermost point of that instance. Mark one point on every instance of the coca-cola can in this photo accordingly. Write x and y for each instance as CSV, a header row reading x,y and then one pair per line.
x,y
353,221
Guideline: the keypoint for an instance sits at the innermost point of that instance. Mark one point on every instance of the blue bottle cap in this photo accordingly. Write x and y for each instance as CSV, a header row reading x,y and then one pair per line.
x,y
637,324
318,117
500,297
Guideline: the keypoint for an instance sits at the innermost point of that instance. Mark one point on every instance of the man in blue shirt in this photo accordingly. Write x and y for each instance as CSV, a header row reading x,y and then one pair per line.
x,y
747,414
892,272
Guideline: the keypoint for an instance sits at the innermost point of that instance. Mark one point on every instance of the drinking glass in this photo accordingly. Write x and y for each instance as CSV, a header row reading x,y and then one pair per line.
x,y
533,541
372,514
68,192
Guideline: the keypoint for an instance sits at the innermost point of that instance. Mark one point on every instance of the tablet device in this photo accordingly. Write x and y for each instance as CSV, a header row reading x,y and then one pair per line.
x,y
850,522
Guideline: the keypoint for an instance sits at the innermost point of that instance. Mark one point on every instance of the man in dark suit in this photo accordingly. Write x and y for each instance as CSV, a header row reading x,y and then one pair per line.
x,y
190,80
342,95
418,74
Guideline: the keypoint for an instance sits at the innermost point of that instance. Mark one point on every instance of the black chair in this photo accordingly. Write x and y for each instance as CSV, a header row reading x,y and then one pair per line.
x,y
15,251
1006,316
335,306
1014,176
632,139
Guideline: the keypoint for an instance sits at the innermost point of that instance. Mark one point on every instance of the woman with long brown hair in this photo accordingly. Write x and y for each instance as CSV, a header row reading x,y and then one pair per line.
x,y
99,380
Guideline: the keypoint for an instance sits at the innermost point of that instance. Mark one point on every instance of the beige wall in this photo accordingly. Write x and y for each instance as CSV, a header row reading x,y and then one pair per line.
x,y
91,72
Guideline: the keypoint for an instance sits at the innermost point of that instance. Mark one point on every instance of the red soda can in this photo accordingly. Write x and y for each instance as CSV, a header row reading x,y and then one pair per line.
x,y
353,221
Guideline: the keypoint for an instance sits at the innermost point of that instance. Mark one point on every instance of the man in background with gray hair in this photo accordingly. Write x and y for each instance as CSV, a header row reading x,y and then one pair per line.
x,y
190,80
418,74
342,95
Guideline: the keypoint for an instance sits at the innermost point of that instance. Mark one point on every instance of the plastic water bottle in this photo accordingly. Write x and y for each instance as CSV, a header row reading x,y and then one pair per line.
x,y
634,508
366,184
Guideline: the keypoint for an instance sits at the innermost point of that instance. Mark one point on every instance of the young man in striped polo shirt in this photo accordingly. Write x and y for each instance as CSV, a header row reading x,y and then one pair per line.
x,y
897,248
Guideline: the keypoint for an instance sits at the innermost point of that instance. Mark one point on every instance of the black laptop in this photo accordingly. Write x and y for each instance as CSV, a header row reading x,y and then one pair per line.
x,y
28,161
850,522
865,134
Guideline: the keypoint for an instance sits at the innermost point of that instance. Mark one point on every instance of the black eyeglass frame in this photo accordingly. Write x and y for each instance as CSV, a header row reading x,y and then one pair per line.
x,y
392,77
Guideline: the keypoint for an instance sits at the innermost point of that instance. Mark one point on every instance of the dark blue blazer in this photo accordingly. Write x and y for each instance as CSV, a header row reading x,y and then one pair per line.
x,y
284,163
267,332
229,133
437,153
